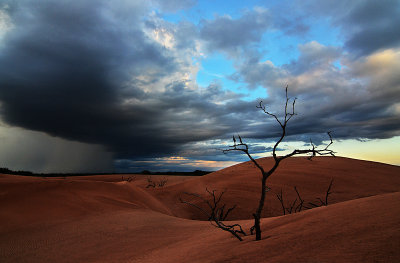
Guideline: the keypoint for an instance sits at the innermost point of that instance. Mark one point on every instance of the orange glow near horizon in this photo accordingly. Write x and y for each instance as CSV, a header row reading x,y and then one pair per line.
x,y
379,150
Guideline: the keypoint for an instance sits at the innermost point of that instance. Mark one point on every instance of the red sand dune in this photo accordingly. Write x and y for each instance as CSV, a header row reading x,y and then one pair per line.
x,y
104,219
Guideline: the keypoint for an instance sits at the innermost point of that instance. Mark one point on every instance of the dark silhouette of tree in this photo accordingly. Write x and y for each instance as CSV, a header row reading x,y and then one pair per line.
x,y
215,212
322,202
294,206
265,174
298,204
154,184
128,179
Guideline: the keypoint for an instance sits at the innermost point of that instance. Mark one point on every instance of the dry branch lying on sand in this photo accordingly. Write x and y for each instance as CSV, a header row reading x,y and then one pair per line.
x,y
216,213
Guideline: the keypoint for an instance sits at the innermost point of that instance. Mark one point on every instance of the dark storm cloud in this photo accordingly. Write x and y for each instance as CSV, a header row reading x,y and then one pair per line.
x,y
367,25
373,25
106,74
72,70
37,152
63,65
88,73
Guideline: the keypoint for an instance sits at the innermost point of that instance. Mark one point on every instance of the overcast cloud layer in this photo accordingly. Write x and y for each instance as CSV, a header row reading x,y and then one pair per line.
x,y
116,75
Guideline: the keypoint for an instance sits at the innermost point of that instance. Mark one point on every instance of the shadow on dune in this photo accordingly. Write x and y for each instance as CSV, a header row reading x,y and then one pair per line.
x,y
105,219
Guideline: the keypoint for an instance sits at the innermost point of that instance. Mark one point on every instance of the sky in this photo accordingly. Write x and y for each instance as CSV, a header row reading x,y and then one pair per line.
x,y
127,85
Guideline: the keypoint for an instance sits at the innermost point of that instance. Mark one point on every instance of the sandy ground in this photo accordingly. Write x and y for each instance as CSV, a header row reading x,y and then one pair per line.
x,y
105,219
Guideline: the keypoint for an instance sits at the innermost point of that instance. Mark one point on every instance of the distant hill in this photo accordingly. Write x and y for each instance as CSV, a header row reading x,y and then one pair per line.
x,y
145,172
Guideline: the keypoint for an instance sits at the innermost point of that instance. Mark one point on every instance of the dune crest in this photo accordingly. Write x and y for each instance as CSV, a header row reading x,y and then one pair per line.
x,y
352,179
105,219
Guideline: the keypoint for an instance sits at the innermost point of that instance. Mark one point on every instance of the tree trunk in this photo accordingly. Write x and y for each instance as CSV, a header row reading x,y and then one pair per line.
x,y
257,215
257,226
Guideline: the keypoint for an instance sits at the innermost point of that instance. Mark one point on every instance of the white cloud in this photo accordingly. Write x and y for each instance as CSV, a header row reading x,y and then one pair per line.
x,y
356,101
5,22
231,36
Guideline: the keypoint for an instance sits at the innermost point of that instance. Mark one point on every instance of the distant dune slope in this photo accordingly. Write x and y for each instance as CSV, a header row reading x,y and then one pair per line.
x,y
26,200
106,219
352,179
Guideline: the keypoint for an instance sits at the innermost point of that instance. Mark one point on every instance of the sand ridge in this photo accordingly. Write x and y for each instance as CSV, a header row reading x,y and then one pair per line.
x,y
352,179
104,219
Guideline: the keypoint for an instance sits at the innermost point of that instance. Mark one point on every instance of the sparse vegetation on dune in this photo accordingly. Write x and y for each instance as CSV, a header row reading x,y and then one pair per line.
x,y
100,219
216,212
298,204
239,145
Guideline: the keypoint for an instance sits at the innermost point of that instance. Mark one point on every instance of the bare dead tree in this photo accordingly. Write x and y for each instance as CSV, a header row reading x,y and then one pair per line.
x,y
280,198
154,184
216,213
292,208
300,205
322,202
150,183
128,179
265,174
328,192
162,182
221,214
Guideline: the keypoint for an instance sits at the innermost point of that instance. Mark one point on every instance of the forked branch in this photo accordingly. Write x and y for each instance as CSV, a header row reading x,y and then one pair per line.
x,y
128,179
292,208
243,147
322,202
154,184
215,213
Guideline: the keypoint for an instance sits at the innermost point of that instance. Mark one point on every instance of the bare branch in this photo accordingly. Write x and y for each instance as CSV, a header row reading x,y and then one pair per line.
x,y
280,198
154,184
300,206
150,183
243,147
200,197
322,202
328,192
314,152
128,179
313,205
291,114
262,107
292,208
216,214
196,206
162,182
223,217
292,205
